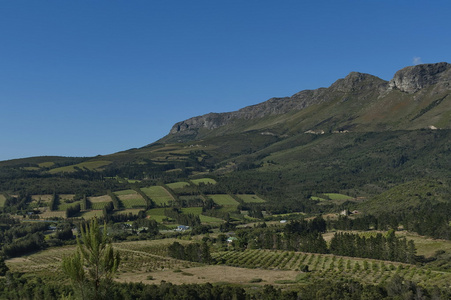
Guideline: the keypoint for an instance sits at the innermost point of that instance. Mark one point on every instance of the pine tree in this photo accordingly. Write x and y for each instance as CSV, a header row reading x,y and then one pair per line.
x,y
92,266
3,267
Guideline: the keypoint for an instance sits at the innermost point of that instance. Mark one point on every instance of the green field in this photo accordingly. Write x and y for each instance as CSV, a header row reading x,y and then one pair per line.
x,y
46,164
2,200
91,214
192,210
64,206
204,181
90,165
125,192
99,205
250,198
156,214
208,219
223,200
317,198
177,185
131,199
158,194
369,271
133,211
335,196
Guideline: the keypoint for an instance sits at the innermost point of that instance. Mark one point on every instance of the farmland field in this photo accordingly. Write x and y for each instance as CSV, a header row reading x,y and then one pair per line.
x,y
335,196
157,214
178,185
99,205
158,194
131,199
66,197
42,198
104,198
64,206
53,214
198,212
317,198
192,210
208,219
90,165
223,200
99,202
46,164
133,211
204,181
369,271
91,214
251,198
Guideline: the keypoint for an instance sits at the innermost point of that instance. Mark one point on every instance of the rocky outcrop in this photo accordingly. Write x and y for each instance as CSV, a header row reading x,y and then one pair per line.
x,y
360,85
354,82
412,79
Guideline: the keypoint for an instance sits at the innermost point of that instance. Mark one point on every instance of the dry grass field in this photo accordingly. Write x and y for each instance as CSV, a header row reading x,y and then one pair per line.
x,y
211,274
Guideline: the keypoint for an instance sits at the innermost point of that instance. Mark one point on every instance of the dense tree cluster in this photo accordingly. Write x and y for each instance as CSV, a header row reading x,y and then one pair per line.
x,y
376,246
18,286
197,252
73,210
184,219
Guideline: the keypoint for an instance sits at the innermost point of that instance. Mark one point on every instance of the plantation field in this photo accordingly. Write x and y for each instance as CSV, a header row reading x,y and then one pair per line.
x,y
104,198
63,206
90,165
99,202
192,210
177,185
42,198
66,197
99,205
91,214
317,198
335,196
156,214
223,200
211,274
46,164
124,192
148,262
2,200
32,168
133,211
208,219
250,198
158,194
53,214
131,199
368,271
204,181
426,246
46,263
198,212
190,198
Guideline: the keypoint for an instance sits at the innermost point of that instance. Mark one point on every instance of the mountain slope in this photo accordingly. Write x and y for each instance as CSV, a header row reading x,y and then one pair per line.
x,y
417,97
361,136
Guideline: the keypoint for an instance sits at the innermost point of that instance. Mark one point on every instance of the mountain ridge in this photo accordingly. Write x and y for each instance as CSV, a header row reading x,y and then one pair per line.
x,y
414,83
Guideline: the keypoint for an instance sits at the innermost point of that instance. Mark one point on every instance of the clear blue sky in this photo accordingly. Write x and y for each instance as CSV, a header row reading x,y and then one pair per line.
x,y
81,78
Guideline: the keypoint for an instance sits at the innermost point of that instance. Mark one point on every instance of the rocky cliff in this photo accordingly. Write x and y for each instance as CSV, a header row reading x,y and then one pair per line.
x,y
409,80
413,79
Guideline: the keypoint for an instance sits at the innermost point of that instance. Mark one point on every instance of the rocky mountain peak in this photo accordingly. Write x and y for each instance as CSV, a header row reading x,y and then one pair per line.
x,y
414,78
361,87
355,81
